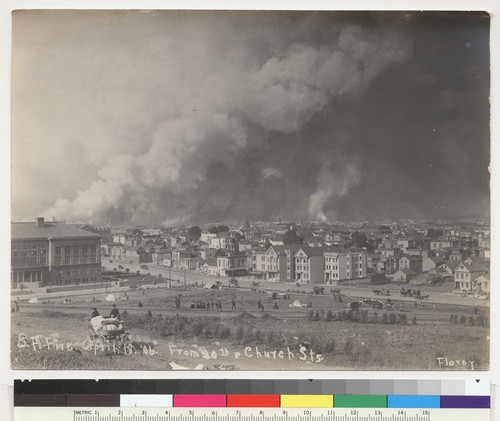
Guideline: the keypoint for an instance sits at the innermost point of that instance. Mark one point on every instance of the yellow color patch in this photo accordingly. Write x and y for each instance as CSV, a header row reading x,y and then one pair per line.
x,y
307,401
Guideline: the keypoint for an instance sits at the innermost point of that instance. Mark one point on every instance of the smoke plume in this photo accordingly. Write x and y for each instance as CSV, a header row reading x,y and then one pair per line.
x,y
332,185
208,154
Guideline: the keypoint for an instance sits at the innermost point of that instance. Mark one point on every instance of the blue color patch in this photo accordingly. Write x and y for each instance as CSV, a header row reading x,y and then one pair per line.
x,y
412,401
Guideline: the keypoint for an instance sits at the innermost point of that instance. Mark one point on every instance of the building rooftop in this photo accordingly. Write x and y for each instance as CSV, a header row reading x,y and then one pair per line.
x,y
46,230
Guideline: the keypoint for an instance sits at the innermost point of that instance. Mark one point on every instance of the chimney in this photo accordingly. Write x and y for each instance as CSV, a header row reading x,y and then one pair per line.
x,y
39,222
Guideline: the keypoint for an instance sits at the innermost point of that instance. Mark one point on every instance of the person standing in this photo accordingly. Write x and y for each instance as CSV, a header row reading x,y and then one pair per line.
x,y
233,304
95,313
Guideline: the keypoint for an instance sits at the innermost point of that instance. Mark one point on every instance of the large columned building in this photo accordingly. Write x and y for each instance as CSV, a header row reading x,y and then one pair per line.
x,y
53,253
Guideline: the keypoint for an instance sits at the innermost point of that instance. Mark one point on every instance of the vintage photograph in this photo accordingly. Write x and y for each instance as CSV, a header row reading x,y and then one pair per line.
x,y
250,190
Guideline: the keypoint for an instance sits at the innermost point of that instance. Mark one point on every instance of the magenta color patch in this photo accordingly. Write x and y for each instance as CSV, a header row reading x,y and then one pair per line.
x,y
199,401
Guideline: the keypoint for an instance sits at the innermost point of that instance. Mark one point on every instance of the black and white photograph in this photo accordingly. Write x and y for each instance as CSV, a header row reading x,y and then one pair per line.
x,y
250,190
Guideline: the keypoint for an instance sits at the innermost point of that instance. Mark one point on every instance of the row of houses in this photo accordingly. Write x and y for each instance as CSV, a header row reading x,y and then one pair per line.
x,y
305,264
470,275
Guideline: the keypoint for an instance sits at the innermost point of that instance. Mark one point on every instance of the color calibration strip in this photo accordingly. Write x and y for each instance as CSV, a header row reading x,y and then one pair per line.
x,y
254,393
254,401
412,387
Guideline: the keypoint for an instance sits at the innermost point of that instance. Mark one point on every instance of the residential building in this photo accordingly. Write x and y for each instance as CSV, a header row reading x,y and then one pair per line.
x,y
466,275
450,267
259,262
207,236
207,253
340,266
404,275
431,263
390,251
218,243
411,262
309,264
233,264
286,265
441,243
160,255
482,283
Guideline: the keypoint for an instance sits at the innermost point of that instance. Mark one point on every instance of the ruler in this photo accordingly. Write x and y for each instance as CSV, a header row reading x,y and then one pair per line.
x,y
248,414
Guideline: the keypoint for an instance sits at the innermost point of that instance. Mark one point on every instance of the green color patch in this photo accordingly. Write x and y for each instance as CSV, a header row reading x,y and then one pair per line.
x,y
360,401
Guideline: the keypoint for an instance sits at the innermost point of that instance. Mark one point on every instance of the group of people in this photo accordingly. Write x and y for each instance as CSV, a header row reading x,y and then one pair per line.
x,y
114,314
212,305
111,325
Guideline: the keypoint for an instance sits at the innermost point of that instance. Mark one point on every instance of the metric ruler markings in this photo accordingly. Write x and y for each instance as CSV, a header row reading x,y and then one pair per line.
x,y
26,413
304,415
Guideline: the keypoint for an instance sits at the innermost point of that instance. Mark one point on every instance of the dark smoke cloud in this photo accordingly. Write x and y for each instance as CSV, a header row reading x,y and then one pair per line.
x,y
237,109
204,116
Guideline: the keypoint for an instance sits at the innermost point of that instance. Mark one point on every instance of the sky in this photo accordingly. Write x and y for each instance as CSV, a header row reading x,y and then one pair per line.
x,y
129,117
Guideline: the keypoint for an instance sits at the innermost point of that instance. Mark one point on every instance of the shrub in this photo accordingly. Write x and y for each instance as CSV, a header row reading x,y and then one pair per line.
x,y
248,336
463,319
258,335
329,347
414,320
277,338
198,327
179,325
471,320
224,333
329,316
364,316
393,318
403,319
239,332
374,317
207,331
385,319
349,349
482,321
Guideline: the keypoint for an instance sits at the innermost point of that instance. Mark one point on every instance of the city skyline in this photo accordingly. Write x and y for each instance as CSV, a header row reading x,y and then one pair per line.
x,y
161,117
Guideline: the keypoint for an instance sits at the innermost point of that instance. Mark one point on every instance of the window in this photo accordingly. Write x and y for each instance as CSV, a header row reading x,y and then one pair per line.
x,y
58,260
67,256
85,254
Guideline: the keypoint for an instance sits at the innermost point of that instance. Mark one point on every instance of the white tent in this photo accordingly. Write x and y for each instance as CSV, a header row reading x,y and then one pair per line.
x,y
200,367
33,300
110,297
176,366
297,303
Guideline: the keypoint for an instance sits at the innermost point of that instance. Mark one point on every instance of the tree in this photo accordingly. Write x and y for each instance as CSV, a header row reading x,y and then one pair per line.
x,y
358,239
194,233
434,233
385,229
378,279
268,244
216,229
291,237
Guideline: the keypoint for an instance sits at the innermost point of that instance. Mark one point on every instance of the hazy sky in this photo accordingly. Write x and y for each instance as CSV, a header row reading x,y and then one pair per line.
x,y
165,116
